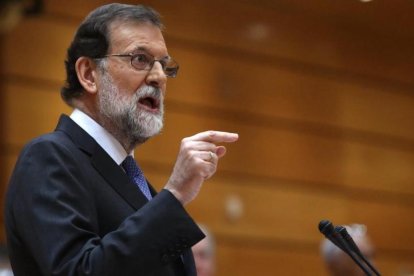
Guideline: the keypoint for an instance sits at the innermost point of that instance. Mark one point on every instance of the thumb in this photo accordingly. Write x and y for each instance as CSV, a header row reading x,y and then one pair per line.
x,y
220,151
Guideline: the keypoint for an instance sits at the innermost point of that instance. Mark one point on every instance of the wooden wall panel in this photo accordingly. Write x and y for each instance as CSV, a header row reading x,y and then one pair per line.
x,y
400,267
229,83
254,87
277,213
36,50
390,224
266,261
238,259
31,111
289,155
289,34
294,38
274,220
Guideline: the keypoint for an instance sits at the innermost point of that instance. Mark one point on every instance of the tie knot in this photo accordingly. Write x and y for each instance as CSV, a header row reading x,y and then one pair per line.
x,y
129,164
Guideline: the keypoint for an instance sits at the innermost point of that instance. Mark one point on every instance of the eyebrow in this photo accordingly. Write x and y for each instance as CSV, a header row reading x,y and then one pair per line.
x,y
146,50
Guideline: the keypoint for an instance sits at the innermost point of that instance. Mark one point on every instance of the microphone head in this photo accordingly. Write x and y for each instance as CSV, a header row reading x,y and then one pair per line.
x,y
326,227
340,229
345,235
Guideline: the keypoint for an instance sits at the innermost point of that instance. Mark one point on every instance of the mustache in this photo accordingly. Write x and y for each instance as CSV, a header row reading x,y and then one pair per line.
x,y
148,91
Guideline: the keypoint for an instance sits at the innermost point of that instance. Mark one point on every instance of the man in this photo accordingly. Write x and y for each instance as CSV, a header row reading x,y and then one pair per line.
x,y
204,254
77,202
338,262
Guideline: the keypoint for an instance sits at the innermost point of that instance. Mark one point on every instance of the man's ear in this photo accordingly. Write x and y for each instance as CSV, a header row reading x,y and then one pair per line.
x,y
86,71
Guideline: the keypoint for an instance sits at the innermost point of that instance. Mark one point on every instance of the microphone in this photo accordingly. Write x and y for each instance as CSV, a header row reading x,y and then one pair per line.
x,y
351,243
327,229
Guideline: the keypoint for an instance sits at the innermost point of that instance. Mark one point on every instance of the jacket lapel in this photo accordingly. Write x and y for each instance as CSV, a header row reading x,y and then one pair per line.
x,y
103,163
117,178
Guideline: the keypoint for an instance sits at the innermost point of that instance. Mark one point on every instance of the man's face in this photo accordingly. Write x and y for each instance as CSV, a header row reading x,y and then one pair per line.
x,y
130,99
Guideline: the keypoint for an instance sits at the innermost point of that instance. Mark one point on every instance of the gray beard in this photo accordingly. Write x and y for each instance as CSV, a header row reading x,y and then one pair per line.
x,y
125,117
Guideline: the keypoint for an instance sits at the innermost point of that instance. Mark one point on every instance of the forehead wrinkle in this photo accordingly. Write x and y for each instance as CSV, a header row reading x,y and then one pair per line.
x,y
132,36
140,49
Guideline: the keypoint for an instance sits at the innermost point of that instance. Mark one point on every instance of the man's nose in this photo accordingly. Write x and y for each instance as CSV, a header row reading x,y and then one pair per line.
x,y
156,76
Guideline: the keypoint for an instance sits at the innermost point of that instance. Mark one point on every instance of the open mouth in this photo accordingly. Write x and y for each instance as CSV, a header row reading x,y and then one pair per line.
x,y
150,103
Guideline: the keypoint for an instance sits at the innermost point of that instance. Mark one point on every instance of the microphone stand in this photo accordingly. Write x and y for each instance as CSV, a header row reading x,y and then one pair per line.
x,y
326,228
348,239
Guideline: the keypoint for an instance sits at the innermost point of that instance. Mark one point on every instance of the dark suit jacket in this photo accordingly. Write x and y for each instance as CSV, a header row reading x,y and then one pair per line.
x,y
71,210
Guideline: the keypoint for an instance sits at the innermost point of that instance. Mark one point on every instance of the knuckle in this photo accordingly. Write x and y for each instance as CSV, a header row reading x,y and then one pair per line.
x,y
185,146
189,154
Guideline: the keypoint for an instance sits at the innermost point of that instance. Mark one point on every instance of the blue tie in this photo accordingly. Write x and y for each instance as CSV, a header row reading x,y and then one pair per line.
x,y
135,174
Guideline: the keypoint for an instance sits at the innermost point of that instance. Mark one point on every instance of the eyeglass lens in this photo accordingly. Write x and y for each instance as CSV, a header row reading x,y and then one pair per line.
x,y
145,62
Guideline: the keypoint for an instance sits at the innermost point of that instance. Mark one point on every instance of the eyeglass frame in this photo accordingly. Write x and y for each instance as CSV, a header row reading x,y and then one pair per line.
x,y
151,64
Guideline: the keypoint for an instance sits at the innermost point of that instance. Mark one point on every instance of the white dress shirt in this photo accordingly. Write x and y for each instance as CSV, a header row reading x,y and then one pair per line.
x,y
101,136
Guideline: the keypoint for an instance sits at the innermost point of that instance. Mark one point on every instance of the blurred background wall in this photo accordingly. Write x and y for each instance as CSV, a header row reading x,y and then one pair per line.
x,y
320,91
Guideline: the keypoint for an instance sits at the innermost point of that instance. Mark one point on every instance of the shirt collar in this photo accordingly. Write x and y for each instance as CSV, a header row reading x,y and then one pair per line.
x,y
101,136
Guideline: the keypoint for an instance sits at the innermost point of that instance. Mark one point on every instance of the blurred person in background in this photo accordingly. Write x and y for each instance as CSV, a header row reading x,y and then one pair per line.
x,y
205,254
337,262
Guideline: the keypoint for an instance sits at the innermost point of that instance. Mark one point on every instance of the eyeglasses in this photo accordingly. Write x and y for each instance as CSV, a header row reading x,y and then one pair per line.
x,y
142,61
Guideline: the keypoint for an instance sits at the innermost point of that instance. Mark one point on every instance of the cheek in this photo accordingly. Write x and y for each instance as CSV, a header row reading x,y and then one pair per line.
x,y
130,86
128,82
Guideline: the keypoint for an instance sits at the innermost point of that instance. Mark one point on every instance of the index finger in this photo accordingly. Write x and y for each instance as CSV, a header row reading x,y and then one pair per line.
x,y
214,136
